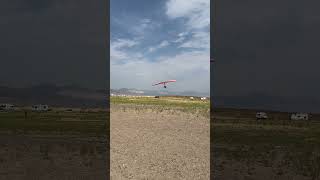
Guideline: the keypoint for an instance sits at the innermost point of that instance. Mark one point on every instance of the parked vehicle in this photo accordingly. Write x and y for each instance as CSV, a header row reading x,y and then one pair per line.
x,y
7,107
40,107
299,116
261,115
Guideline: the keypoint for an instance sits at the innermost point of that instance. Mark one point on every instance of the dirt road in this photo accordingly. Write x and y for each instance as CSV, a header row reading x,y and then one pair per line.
x,y
159,145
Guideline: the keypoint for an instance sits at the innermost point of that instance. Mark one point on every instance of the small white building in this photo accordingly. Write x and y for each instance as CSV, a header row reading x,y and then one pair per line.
x,y
261,115
40,107
7,107
299,116
203,98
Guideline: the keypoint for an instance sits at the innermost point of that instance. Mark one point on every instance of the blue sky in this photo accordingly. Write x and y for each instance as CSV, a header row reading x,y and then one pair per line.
x,y
158,40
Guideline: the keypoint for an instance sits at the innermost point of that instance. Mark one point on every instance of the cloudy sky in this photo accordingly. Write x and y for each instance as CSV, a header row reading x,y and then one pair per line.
x,y
159,40
268,47
53,41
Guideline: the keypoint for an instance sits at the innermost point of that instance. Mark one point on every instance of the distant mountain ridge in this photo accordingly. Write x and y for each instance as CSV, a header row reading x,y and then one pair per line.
x,y
66,96
264,101
137,92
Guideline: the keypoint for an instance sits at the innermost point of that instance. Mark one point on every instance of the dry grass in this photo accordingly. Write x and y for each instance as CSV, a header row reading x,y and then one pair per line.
x,y
88,123
54,158
272,149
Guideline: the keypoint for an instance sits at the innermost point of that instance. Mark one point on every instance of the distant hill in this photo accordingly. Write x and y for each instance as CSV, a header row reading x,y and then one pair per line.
x,y
64,96
73,96
268,102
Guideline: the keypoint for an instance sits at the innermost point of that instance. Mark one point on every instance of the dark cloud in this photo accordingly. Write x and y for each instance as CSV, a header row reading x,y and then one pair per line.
x,y
54,41
270,47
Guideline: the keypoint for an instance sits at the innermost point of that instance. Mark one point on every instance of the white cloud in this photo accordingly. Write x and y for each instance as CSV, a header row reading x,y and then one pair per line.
x,y
196,11
181,37
141,27
164,44
199,39
120,43
161,45
135,26
116,49
190,69
183,34
179,40
152,49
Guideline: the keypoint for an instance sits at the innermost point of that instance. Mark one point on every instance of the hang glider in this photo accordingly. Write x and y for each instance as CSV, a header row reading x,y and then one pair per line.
x,y
164,83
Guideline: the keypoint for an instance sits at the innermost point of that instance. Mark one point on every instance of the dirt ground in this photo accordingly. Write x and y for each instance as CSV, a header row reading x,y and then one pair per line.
x,y
151,144
226,167
51,157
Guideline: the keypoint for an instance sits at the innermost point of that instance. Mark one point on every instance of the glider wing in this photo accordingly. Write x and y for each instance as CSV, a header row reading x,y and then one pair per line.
x,y
164,82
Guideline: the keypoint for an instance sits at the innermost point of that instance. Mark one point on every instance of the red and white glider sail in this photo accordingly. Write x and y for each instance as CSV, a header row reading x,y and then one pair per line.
x,y
164,82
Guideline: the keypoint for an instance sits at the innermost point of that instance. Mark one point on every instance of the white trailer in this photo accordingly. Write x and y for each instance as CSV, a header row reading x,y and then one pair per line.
x,y
299,116
261,115
7,107
40,107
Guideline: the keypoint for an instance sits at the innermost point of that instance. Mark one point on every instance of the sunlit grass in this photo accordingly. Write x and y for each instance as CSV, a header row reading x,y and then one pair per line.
x,y
162,101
